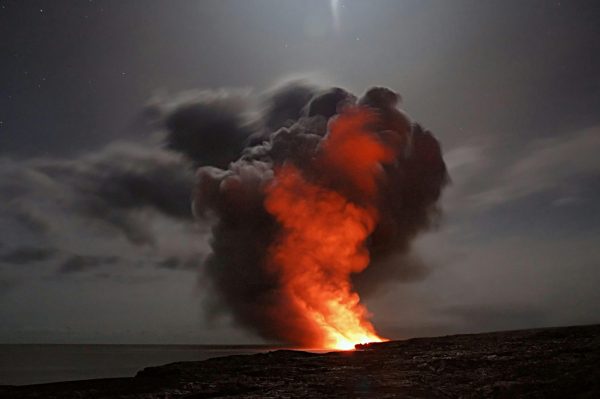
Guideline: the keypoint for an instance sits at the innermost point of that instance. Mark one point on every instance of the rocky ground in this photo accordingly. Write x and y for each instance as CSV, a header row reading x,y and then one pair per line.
x,y
545,363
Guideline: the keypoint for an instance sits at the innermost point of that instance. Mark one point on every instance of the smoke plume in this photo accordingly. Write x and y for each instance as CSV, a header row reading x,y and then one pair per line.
x,y
319,206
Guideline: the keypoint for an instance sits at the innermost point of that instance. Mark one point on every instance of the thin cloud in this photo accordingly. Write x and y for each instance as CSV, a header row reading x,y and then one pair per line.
x,y
550,164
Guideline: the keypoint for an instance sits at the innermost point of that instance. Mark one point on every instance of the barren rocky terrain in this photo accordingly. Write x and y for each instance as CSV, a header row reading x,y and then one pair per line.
x,y
543,363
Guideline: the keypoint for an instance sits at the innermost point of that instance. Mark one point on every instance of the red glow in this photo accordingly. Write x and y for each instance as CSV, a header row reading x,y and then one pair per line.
x,y
323,233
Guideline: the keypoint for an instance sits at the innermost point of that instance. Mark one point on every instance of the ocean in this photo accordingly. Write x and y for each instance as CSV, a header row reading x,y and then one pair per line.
x,y
36,364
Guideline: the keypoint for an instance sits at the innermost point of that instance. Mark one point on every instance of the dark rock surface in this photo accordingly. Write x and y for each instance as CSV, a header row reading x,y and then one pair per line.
x,y
544,363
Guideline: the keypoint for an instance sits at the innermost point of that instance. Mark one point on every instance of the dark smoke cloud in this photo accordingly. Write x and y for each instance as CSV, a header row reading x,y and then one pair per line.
x,y
27,255
290,129
124,178
110,188
80,263
286,104
181,263
209,127
127,201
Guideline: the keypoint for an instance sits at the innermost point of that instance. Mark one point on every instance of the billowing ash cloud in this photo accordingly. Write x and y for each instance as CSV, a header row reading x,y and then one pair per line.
x,y
291,131
209,127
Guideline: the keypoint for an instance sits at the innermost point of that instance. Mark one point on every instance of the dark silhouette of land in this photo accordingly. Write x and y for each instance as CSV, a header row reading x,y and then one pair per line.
x,y
542,363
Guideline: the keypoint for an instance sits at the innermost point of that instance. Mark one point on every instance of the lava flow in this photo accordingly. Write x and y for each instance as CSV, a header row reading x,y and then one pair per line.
x,y
323,234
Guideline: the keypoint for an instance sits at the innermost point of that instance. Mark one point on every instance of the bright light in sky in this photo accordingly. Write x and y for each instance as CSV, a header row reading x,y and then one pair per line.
x,y
335,13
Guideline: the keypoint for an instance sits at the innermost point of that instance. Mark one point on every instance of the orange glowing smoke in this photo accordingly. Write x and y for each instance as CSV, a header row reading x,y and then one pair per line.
x,y
323,235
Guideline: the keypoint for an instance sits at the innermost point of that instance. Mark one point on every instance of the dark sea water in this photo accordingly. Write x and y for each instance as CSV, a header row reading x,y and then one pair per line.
x,y
35,364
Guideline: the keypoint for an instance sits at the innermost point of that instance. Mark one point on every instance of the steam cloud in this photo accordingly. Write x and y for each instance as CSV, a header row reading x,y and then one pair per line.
x,y
237,161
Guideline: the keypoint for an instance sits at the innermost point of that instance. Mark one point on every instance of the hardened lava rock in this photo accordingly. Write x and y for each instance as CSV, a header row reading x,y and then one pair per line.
x,y
542,363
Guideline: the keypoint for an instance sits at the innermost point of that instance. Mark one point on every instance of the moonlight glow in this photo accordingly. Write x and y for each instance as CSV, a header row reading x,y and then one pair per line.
x,y
335,14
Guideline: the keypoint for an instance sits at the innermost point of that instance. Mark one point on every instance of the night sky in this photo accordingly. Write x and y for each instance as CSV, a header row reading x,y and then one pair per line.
x,y
96,240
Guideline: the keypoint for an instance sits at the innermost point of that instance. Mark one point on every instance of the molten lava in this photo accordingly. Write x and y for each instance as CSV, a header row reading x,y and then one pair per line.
x,y
324,228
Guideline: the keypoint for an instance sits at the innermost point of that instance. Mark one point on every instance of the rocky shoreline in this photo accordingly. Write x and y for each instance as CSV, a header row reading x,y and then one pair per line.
x,y
542,363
